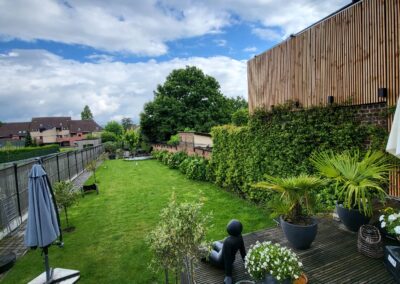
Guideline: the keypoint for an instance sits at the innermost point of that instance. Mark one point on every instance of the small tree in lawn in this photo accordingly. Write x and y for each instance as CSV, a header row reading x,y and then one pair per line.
x,y
178,237
28,140
91,167
66,196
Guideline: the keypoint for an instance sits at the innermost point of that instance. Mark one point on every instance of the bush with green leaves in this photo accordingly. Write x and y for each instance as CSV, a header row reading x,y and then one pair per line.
x,y
174,140
176,239
280,142
196,168
107,136
176,159
110,147
66,196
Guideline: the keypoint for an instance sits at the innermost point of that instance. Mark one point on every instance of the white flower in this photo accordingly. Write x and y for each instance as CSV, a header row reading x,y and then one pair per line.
x,y
397,230
391,217
381,218
383,224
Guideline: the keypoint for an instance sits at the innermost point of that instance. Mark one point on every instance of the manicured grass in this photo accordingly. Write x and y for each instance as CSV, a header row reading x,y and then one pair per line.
x,y
108,245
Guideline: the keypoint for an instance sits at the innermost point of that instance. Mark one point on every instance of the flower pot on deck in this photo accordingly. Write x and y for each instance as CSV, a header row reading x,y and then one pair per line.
x,y
353,219
300,236
269,279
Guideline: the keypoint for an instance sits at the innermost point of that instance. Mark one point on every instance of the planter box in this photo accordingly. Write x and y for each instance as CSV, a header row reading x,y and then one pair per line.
x,y
392,261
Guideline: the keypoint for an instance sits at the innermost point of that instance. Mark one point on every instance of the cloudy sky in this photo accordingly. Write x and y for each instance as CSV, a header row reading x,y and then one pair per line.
x,y
57,56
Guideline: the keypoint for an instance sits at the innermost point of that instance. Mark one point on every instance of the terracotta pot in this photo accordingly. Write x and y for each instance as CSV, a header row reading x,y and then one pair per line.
x,y
301,280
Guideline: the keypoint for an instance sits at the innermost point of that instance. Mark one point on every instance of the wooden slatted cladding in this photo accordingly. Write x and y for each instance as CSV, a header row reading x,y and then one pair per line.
x,y
349,56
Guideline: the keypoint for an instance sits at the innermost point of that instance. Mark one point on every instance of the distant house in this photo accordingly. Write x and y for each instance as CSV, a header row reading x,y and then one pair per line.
x,y
50,130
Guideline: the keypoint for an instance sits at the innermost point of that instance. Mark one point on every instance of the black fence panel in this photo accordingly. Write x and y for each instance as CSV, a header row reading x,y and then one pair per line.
x,y
14,181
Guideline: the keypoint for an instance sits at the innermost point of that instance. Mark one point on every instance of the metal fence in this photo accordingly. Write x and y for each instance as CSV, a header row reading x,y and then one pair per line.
x,y
14,182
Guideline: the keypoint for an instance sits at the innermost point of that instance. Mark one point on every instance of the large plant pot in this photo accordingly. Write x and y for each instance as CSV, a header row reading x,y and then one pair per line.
x,y
269,279
299,236
353,219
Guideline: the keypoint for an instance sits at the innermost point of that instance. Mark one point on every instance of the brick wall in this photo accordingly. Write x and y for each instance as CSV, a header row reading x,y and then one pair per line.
x,y
205,153
373,114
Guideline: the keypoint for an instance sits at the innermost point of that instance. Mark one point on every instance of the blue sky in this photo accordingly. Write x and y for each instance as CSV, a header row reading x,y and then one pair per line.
x,y
56,55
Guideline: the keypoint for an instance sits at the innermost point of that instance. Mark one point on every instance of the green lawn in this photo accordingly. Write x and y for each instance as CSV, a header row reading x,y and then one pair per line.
x,y
108,245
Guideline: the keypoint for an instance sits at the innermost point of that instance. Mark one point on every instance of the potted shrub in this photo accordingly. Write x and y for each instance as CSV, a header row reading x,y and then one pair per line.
x,y
359,181
272,263
295,204
390,222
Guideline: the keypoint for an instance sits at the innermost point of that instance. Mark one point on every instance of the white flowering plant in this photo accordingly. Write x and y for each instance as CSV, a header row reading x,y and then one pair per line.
x,y
268,258
390,221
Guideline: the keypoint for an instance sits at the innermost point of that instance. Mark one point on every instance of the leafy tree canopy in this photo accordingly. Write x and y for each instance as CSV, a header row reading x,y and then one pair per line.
x,y
114,127
188,99
86,113
127,123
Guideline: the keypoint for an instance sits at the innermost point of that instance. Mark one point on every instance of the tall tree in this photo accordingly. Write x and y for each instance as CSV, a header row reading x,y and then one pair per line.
x,y
188,99
127,123
86,113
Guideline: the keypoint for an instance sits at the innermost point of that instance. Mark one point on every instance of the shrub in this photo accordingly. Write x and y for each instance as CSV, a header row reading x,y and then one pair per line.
x,y
279,143
176,159
174,140
15,154
66,196
107,136
197,168
110,147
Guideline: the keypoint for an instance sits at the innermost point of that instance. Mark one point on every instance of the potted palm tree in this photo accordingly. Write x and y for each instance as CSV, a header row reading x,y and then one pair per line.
x,y
359,181
295,204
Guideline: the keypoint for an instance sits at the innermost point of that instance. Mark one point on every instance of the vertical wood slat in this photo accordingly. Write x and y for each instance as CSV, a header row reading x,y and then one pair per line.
x,y
349,56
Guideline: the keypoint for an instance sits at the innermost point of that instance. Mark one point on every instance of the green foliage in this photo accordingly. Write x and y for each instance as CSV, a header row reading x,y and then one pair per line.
x,y
358,179
240,117
127,123
66,196
188,99
174,140
114,127
131,138
110,147
297,198
15,154
28,140
91,167
177,237
280,142
107,136
193,167
86,113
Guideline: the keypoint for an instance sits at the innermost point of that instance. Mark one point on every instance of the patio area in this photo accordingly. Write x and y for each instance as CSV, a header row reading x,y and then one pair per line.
x,y
332,258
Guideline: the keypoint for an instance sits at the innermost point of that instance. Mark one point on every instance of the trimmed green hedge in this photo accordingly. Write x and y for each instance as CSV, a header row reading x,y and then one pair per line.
x,y
280,142
27,152
193,167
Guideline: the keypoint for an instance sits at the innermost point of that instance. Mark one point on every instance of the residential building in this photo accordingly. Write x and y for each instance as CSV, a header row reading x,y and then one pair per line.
x,y
50,130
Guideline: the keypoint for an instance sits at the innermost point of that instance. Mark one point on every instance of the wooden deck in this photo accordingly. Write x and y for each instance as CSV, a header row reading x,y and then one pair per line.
x,y
332,258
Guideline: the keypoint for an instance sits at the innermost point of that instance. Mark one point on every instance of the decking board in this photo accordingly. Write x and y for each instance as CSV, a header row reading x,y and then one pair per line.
x,y
332,258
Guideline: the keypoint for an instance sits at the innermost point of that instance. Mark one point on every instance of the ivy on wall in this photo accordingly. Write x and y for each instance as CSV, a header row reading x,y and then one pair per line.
x,y
279,143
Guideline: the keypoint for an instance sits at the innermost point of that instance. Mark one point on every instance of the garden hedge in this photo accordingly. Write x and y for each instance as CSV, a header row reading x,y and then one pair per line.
x,y
279,143
27,152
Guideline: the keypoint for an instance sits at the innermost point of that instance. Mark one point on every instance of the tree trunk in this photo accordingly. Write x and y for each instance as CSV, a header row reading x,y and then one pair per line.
x,y
166,276
66,216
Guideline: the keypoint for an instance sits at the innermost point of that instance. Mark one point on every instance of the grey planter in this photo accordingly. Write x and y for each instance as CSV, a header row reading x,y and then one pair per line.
x,y
299,236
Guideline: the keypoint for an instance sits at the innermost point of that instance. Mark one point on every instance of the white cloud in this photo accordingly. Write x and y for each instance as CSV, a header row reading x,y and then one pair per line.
x,y
39,83
250,49
267,34
145,27
220,42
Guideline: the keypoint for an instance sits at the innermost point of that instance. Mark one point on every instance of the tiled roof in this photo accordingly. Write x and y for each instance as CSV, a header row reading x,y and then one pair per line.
x,y
14,128
49,123
88,125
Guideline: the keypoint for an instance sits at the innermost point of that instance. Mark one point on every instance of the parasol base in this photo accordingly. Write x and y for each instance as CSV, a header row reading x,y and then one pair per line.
x,y
59,275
